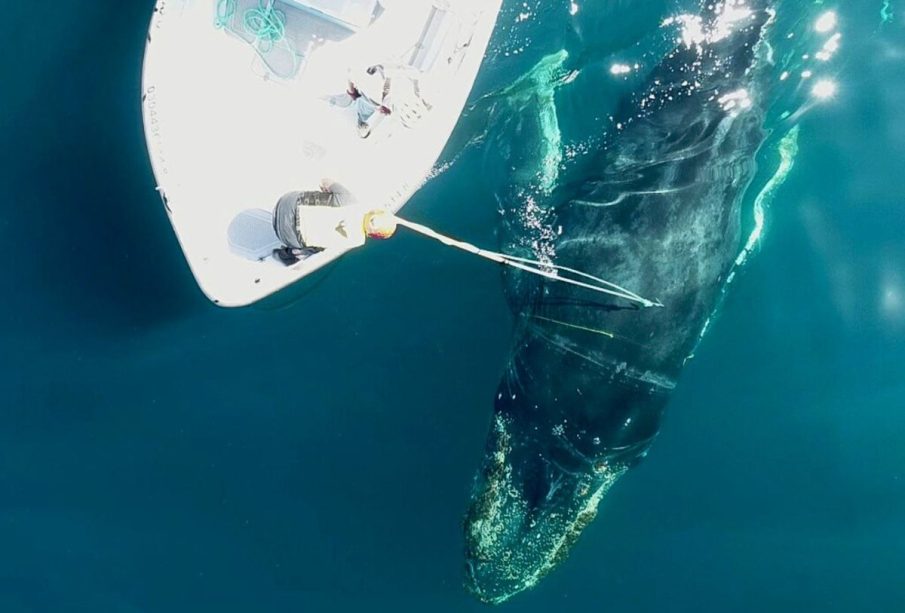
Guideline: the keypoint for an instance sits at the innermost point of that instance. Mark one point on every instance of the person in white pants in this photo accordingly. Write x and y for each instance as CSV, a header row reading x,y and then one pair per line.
x,y
370,92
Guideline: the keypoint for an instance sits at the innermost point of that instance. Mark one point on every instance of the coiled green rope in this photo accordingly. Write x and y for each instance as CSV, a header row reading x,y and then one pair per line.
x,y
225,11
266,24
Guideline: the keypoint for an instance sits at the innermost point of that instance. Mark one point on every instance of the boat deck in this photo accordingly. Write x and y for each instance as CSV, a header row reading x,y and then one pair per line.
x,y
228,133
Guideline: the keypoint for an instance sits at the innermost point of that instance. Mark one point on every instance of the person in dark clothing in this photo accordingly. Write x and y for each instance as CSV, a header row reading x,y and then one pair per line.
x,y
286,218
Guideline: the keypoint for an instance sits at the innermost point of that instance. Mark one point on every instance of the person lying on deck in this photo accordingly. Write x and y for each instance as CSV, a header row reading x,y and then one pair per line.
x,y
307,222
370,92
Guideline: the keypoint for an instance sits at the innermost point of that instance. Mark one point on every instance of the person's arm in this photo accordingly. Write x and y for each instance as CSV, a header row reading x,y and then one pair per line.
x,y
340,195
385,102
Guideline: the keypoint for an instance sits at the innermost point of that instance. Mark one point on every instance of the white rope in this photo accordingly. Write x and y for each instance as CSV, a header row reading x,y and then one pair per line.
x,y
548,271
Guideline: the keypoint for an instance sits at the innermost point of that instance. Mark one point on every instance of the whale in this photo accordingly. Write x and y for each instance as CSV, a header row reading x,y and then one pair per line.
x,y
658,210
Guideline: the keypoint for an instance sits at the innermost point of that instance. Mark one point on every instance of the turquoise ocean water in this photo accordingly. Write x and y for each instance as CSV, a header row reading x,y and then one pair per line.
x,y
316,452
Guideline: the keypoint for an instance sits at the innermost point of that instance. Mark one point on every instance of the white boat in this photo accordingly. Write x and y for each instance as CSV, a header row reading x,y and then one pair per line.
x,y
237,110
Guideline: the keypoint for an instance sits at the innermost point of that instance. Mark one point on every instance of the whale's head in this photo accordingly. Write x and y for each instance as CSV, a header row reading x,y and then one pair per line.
x,y
566,426
529,506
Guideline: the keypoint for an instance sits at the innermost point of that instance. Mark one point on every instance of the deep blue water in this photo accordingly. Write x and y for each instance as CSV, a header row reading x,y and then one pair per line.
x,y
316,452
